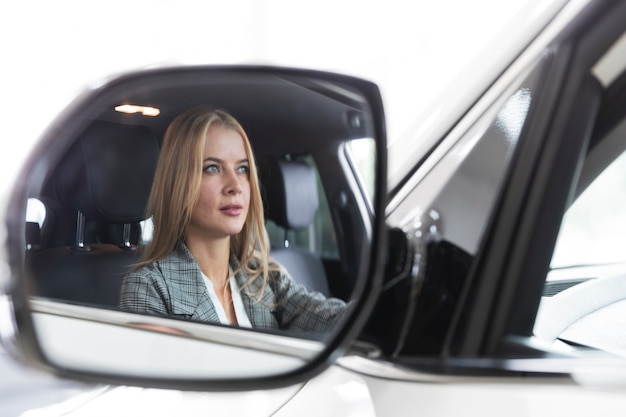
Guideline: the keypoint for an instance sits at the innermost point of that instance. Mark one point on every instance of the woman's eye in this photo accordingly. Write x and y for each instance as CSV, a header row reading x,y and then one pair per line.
x,y
211,169
244,169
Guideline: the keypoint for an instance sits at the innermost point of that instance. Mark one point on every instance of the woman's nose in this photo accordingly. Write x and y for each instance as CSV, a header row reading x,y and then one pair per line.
x,y
233,183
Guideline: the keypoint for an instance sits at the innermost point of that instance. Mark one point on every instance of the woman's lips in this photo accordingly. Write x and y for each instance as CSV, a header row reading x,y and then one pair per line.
x,y
232,210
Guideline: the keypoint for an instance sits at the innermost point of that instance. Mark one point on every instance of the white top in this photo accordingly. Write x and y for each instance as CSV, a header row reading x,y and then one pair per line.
x,y
240,311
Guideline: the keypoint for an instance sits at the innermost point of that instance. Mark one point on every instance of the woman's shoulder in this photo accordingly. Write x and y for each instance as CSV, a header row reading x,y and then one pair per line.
x,y
146,270
158,266
178,258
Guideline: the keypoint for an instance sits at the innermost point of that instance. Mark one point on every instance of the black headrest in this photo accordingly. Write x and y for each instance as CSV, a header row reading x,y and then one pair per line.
x,y
108,172
290,192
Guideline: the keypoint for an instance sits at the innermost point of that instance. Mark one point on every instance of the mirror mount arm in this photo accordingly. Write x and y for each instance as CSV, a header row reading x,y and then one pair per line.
x,y
405,271
383,327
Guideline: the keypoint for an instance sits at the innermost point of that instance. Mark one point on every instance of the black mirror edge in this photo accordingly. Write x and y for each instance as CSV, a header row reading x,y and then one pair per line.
x,y
23,342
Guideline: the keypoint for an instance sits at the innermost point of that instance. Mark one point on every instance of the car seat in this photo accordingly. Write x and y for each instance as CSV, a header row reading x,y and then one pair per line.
x,y
291,201
105,178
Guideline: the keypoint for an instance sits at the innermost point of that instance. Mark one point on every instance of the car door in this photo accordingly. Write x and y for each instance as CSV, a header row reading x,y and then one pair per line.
x,y
476,227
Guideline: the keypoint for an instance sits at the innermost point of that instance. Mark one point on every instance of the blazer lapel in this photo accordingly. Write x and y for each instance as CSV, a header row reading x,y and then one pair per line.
x,y
260,312
189,296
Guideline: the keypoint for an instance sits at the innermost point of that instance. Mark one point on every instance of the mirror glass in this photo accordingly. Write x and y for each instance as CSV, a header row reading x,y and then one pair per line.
x,y
200,223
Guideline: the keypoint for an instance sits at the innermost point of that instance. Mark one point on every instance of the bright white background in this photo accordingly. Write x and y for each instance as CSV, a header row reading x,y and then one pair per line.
x,y
52,50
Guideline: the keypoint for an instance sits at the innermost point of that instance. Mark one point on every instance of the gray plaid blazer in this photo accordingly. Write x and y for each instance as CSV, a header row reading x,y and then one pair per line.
x,y
173,286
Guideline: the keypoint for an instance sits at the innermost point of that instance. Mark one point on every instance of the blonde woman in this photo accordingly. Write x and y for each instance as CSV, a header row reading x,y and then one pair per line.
x,y
209,257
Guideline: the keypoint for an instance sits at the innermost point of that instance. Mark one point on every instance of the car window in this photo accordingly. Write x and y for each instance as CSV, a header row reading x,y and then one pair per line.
x,y
35,211
593,231
583,299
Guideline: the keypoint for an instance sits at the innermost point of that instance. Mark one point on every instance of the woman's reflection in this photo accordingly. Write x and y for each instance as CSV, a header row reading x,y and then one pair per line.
x,y
209,257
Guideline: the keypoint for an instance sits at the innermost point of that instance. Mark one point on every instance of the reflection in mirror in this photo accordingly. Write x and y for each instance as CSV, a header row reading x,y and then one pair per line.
x,y
246,202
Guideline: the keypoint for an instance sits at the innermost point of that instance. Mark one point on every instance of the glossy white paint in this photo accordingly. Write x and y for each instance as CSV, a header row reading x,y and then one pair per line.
x,y
135,401
337,392
157,347
492,398
528,40
473,79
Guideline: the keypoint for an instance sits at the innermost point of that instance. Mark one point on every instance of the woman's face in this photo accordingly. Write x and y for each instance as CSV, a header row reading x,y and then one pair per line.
x,y
222,206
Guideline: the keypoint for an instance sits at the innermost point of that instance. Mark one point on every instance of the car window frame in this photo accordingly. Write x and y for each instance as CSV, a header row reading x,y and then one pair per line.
x,y
516,255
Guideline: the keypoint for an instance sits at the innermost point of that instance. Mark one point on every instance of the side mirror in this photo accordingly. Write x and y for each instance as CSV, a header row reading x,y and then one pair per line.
x,y
76,224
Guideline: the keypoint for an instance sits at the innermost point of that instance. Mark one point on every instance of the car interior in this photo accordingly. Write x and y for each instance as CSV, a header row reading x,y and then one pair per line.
x,y
87,197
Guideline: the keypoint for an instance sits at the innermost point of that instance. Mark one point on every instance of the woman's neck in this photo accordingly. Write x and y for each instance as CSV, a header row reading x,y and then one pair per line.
x,y
212,257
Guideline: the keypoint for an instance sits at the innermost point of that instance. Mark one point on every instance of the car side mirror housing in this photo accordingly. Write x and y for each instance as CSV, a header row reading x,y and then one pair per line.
x,y
60,218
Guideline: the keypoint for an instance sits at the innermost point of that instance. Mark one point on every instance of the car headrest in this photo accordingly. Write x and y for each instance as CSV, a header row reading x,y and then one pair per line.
x,y
290,192
108,172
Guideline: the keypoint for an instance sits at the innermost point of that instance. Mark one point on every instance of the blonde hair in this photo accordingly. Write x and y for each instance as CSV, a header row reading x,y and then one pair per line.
x,y
176,186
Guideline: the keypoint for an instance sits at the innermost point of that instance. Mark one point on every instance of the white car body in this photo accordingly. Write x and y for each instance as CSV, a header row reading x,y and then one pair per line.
x,y
354,386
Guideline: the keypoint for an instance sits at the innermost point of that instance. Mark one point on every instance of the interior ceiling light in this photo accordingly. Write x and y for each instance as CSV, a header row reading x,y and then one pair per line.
x,y
132,108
